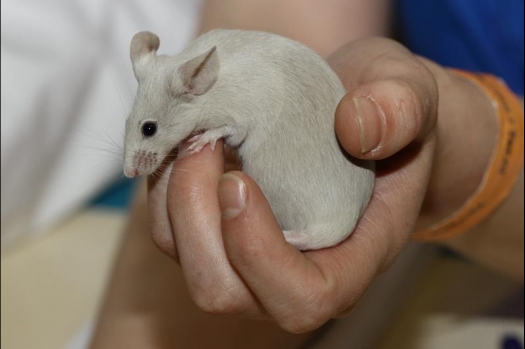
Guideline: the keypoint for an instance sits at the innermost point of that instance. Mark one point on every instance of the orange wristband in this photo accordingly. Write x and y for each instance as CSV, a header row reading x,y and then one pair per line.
x,y
503,169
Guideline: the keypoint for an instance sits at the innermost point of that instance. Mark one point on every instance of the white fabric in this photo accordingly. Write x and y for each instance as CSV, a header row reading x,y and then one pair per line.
x,y
67,85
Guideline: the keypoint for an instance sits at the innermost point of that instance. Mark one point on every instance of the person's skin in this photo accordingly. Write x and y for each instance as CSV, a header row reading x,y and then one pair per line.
x,y
322,25
229,262
498,241
147,304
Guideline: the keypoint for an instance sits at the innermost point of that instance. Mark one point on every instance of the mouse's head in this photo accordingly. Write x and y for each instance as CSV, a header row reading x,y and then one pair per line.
x,y
166,109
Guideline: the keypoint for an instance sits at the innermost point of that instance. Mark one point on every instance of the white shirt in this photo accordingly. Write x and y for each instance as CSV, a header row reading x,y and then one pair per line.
x,y
67,86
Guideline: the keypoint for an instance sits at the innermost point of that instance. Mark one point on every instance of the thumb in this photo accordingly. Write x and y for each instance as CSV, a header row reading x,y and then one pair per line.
x,y
379,118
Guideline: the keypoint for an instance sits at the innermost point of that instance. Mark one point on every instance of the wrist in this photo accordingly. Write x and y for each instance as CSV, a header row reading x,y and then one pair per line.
x,y
467,129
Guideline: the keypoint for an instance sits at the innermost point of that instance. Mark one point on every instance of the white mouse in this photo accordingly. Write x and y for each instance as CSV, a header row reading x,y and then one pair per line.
x,y
271,98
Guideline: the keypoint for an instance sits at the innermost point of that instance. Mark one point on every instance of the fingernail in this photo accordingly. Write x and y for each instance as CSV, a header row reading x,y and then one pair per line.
x,y
232,195
369,118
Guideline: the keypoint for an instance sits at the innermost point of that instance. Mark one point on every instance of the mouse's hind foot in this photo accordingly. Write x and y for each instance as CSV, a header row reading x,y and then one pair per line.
x,y
315,238
300,239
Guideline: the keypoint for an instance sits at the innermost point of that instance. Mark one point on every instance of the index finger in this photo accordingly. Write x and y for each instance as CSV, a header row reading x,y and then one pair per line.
x,y
194,212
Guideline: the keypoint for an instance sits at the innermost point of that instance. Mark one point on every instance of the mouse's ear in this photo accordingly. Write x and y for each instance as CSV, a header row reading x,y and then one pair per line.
x,y
143,47
199,74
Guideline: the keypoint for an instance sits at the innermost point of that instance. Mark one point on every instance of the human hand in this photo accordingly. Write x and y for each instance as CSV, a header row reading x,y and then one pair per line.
x,y
223,232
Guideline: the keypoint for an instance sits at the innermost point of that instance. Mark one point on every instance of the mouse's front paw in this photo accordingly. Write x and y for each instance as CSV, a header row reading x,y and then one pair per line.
x,y
200,140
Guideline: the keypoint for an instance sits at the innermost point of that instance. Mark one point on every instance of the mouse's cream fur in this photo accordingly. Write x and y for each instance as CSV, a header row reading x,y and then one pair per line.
x,y
273,99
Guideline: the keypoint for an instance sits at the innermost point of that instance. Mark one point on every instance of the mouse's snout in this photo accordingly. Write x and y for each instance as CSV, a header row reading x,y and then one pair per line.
x,y
130,173
142,163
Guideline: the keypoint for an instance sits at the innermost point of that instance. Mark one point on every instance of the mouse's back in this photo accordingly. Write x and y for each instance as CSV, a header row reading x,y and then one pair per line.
x,y
256,60
288,95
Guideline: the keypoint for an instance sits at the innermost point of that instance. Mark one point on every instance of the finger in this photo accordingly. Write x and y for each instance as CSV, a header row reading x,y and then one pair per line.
x,y
195,214
300,291
161,230
281,277
392,99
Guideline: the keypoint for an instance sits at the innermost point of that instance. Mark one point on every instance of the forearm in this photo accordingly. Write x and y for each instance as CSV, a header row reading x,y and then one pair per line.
x,y
498,241
467,131
323,25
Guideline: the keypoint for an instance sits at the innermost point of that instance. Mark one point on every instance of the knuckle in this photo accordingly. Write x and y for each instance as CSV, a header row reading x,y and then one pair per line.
x,y
304,323
404,91
403,105
218,303
313,311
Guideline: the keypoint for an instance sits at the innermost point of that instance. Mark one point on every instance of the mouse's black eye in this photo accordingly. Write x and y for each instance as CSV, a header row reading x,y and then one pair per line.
x,y
149,129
